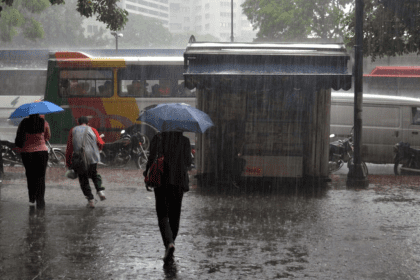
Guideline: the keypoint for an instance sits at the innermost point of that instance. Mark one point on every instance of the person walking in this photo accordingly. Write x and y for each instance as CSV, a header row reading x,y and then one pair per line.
x,y
92,144
176,150
30,138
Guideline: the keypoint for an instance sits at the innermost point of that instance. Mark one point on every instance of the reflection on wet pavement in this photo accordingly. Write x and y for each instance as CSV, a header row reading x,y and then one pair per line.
x,y
334,233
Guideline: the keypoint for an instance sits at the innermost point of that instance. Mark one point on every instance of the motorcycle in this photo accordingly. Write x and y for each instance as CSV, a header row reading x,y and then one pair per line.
x,y
11,155
341,151
406,159
125,149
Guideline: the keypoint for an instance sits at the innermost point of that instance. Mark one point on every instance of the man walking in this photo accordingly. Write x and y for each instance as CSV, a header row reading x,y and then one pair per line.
x,y
88,137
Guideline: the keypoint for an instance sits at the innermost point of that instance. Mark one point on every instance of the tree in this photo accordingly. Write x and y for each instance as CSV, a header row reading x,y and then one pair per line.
x,y
390,27
294,19
144,32
19,15
61,28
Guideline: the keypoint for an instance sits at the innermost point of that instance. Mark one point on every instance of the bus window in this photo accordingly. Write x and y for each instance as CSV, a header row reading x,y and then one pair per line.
x,y
181,91
133,88
159,88
86,83
105,88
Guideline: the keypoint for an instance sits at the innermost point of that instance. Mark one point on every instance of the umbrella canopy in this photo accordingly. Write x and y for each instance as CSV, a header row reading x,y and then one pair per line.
x,y
177,117
42,108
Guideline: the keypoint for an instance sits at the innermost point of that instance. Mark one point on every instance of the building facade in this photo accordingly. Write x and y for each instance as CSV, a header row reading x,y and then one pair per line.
x,y
196,16
158,9
210,17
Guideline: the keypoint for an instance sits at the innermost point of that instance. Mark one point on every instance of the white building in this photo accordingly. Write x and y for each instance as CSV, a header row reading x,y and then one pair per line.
x,y
210,17
158,9
198,16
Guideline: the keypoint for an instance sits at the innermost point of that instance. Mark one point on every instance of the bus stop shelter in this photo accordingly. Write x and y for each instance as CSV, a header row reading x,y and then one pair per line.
x,y
270,104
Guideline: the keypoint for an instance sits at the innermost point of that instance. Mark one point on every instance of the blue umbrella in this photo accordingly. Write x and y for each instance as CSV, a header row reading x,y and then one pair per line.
x,y
42,108
177,117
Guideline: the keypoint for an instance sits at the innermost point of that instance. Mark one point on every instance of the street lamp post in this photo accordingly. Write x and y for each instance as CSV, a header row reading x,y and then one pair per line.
x,y
116,35
231,24
357,176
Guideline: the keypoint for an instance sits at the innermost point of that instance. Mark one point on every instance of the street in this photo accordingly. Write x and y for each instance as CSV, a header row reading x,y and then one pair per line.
x,y
328,233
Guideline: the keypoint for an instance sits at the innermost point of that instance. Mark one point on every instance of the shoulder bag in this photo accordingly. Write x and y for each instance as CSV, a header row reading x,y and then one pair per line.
x,y
153,178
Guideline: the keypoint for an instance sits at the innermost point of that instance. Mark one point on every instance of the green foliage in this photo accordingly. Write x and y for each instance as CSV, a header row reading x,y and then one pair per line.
x,y
33,29
62,28
390,28
36,6
11,18
106,11
17,12
294,20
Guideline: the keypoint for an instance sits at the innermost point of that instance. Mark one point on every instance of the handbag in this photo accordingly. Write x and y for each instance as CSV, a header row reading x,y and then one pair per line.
x,y
154,174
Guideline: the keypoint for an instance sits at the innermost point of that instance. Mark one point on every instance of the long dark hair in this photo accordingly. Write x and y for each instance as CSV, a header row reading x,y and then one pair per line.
x,y
34,124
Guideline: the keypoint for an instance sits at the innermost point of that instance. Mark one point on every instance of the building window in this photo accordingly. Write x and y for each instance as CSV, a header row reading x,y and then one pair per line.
x,y
207,16
224,14
227,4
186,19
131,7
207,6
207,26
175,8
176,26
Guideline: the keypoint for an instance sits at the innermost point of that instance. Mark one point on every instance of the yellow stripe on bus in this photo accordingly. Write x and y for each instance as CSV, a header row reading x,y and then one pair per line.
x,y
108,62
118,106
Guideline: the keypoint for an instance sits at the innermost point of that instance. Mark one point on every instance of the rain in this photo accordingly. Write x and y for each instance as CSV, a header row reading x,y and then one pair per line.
x,y
281,181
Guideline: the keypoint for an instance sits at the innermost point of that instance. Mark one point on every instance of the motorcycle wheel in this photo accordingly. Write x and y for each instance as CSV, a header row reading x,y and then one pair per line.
x,y
7,154
57,160
401,163
334,166
141,162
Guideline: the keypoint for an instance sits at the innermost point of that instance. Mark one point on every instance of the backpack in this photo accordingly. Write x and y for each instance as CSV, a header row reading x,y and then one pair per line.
x,y
78,160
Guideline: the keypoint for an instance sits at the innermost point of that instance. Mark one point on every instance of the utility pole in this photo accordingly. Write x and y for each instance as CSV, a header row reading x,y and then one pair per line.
x,y
231,24
357,176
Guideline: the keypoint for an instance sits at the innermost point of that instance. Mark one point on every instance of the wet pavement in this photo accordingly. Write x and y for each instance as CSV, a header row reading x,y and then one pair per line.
x,y
311,233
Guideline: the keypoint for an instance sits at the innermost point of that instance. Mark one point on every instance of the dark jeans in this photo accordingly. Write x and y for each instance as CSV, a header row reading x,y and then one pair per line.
x,y
168,209
35,166
84,181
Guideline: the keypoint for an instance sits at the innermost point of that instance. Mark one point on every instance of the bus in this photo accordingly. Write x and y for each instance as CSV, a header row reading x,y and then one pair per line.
x,y
112,91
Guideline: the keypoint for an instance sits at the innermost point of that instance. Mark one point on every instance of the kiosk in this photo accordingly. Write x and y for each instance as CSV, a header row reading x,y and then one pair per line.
x,y
270,104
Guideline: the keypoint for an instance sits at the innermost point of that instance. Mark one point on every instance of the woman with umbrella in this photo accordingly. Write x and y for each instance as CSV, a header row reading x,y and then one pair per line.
x,y
172,119
30,138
